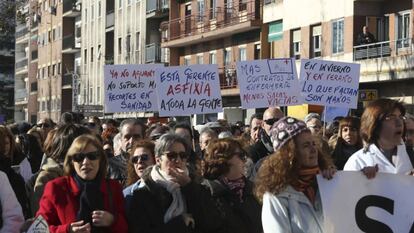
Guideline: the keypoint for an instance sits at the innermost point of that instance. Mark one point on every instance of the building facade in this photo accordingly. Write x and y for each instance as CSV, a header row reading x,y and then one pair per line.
x,y
329,30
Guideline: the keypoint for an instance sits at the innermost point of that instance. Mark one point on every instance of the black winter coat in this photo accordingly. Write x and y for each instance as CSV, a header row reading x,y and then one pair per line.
x,y
150,203
240,217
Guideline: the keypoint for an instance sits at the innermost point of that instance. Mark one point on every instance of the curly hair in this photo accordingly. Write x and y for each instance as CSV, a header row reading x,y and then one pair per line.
x,y
109,133
218,153
282,168
132,175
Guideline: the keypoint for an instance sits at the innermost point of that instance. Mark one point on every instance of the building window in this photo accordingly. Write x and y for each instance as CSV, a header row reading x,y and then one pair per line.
x,y
187,60
128,44
316,41
92,54
48,71
86,16
275,31
90,95
137,38
98,94
54,69
242,5
200,4
213,5
119,4
119,45
54,34
85,53
257,48
43,72
227,56
99,9
58,68
242,53
92,13
212,58
200,59
338,36
403,30
296,39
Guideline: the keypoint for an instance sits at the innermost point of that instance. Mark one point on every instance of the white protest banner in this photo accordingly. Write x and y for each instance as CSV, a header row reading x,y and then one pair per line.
x,y
130,88
186,90
39,225
329,83
329,113
265,83
353,203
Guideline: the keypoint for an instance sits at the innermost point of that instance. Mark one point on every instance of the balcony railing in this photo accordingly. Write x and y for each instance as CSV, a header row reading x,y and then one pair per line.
x,y
228,77
383,49
69,42
67,80
110,19
21,33
157,5
20,95
33,87
152,53
35,55
71,5
21,64
214,19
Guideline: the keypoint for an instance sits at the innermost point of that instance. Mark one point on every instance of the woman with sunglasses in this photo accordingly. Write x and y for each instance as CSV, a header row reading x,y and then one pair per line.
x,y
224,169
172,199
382,126
83,200
141,157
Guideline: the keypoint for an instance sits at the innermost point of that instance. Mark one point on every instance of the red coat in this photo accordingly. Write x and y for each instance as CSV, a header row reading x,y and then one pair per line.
x,y
60,204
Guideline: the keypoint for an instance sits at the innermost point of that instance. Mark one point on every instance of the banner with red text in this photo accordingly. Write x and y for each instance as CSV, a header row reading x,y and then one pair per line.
x,y
329,83
186,90
266,83
130,88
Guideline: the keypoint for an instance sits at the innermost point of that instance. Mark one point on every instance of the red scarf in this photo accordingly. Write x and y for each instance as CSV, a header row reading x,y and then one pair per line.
x,y
235,186
305,182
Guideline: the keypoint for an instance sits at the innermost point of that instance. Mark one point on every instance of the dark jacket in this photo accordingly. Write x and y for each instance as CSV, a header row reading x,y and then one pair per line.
x,y
240,217
262,148
117,168
150,203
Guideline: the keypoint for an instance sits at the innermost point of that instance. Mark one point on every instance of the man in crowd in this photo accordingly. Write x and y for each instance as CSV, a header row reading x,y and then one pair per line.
x,y
255,126
206,136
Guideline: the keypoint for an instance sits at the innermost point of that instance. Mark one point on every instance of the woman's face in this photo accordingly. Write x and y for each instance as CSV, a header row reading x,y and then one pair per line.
x,y
306,149
142,159
86,162
237,166
350,135
7,147
174,158
391,129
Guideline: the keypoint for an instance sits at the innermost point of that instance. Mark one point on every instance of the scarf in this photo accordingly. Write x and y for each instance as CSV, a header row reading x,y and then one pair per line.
x,y
178,206
267,142
90,199
305,182
236,186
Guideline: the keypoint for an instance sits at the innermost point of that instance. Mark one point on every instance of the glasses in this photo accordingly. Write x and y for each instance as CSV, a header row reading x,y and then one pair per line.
x,y
173,156
136,158
394,117
271,121
79,157
43,125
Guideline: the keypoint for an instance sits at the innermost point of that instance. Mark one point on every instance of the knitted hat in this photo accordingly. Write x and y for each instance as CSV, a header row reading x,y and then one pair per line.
x,y
285,129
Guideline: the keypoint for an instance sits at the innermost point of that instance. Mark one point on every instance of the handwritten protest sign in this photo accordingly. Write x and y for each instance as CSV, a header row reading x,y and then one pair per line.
x,y
353,203
265,83
186,90
329,83
130,88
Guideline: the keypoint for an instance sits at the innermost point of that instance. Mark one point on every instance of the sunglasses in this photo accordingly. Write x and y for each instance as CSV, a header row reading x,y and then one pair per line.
x,y
136,158
79,157
90,125
173,156
271,121
43,125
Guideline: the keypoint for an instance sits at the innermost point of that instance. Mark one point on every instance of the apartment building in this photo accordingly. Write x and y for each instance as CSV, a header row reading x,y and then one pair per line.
x,y
218,32
329,30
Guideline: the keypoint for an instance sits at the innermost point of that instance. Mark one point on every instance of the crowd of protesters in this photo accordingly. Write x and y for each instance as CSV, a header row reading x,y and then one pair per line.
x,y
92,175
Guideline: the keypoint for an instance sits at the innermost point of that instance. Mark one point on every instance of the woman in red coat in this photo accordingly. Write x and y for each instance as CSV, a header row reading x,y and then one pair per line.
x,y
84,201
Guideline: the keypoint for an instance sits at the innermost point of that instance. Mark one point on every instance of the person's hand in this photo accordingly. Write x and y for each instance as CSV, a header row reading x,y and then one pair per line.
x,y
329,172
370,171
179,176
79,227
102,218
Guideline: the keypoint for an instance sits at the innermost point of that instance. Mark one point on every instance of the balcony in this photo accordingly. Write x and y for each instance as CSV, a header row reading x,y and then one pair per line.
x,y
110,19
214,24
22,34
20,96
383,49
69,44
157,8
228,77
72,8
21,65
34,56
33,87
152,53
67,80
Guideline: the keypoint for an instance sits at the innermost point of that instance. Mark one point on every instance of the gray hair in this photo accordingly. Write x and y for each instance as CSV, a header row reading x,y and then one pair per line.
x,y
132,122
165,142
208,131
